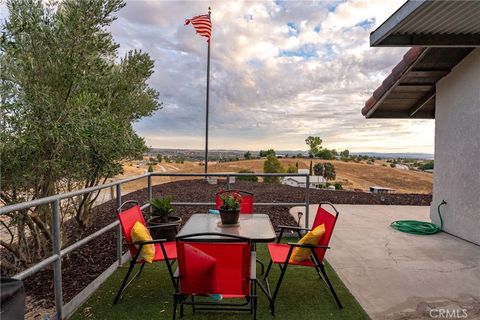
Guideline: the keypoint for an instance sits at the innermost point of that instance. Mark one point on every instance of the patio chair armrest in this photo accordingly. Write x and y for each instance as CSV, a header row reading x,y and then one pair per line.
x,y
294,228
310,246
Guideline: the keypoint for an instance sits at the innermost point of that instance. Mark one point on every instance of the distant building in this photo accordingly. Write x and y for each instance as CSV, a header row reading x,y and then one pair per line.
x,y
377,189
401,167
302,181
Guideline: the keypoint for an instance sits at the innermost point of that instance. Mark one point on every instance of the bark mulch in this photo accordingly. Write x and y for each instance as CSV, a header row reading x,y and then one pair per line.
x,y
85,264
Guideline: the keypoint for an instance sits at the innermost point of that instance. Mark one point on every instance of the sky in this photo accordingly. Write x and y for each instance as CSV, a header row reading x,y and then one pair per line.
x,y
280,71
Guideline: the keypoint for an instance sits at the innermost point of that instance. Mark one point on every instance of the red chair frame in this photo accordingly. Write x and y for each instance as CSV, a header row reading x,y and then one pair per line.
x,y
280,253
237,285
163,249
246,207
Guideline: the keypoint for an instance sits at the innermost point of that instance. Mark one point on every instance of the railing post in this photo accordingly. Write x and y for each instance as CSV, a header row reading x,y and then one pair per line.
x,y
57,265
119,229
228,182
149,192
307,202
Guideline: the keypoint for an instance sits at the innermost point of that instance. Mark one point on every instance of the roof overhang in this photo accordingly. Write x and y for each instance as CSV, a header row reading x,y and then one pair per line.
x,y
431,23
409,91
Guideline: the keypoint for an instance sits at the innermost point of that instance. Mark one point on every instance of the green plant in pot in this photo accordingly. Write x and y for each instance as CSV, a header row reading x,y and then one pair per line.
x,y
230,208
163,224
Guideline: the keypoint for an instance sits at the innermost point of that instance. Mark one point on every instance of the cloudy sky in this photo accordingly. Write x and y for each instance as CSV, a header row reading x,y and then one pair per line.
x,y
280,71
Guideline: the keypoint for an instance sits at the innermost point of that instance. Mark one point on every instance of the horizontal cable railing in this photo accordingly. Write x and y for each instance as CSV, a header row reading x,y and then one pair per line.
x,y
58,252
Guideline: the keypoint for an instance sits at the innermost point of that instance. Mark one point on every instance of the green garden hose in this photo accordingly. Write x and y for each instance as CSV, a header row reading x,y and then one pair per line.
x,y
419,227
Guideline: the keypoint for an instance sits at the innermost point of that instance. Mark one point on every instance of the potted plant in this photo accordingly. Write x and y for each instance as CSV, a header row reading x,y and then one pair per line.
x,y
230,208
163,225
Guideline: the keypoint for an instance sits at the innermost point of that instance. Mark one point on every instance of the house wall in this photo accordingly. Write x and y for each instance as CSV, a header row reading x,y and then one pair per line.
x,y
457,150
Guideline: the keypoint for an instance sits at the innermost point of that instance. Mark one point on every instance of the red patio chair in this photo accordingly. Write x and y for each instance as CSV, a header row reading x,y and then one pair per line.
x,y
280,253
246,207
247,200
163,249
233,273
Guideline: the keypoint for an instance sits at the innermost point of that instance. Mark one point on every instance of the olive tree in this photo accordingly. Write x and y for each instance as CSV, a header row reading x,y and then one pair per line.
x,y
67,103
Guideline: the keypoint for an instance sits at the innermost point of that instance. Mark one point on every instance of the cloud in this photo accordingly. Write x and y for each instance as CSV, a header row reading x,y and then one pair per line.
x,y
279,71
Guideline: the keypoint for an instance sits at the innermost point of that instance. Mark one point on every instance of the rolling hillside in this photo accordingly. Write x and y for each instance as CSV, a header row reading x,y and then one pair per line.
x,y
352,175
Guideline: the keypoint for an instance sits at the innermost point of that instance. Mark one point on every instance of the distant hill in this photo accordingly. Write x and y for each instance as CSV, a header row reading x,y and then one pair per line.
x,y
352,175
422,156
198,154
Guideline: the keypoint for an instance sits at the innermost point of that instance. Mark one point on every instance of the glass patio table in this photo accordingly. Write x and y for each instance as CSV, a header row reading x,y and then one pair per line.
x,y
256,227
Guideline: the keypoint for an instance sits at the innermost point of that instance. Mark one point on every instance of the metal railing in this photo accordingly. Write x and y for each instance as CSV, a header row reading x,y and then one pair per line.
x,y
59,253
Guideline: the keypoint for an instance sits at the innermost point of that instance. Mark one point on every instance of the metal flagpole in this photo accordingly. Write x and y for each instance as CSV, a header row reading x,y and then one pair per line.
x,y
207,100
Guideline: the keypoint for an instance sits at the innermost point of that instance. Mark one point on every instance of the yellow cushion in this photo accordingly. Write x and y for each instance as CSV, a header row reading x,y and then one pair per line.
x,y
140,233
312,237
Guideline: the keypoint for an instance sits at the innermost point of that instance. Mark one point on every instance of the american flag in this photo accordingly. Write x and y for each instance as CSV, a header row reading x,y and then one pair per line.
x,y
202,25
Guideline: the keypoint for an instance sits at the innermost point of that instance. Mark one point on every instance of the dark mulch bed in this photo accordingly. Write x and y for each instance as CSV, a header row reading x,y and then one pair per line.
x,y
85,264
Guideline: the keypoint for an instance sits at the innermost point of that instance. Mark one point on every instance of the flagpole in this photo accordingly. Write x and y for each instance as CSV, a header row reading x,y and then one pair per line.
x,y
207,100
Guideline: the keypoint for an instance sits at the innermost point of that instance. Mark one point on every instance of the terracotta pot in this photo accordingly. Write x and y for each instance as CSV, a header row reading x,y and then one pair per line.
x,y
167,232
229,217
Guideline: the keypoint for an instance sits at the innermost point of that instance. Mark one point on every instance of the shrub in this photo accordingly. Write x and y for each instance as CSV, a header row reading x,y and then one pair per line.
x,y
292,169
392,165
327,170
325,154
426,166
338,186
272,165
150,168
247,178
265,154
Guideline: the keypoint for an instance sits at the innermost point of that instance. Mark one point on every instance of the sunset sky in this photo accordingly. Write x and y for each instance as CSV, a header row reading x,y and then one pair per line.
x,y
280,71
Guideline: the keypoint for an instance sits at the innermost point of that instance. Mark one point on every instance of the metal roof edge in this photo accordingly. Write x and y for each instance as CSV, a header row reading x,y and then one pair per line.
x,y
394,20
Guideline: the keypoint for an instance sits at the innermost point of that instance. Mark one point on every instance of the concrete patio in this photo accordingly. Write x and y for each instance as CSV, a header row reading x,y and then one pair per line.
x,y
395,275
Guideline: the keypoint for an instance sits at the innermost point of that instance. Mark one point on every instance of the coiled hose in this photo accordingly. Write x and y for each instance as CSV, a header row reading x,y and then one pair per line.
x,y
419,227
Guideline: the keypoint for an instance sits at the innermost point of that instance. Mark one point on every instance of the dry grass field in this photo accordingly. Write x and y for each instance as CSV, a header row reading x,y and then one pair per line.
x,y
352,175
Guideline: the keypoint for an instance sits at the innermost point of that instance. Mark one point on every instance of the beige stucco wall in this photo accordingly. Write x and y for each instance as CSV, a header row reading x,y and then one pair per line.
x,y
457,149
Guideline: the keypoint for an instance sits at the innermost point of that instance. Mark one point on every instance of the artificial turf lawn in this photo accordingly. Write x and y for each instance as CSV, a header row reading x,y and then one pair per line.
x,y
302,296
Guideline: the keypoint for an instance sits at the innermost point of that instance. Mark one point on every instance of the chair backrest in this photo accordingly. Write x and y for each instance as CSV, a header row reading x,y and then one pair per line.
x,y
329,220
232,267
247,200
127,219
